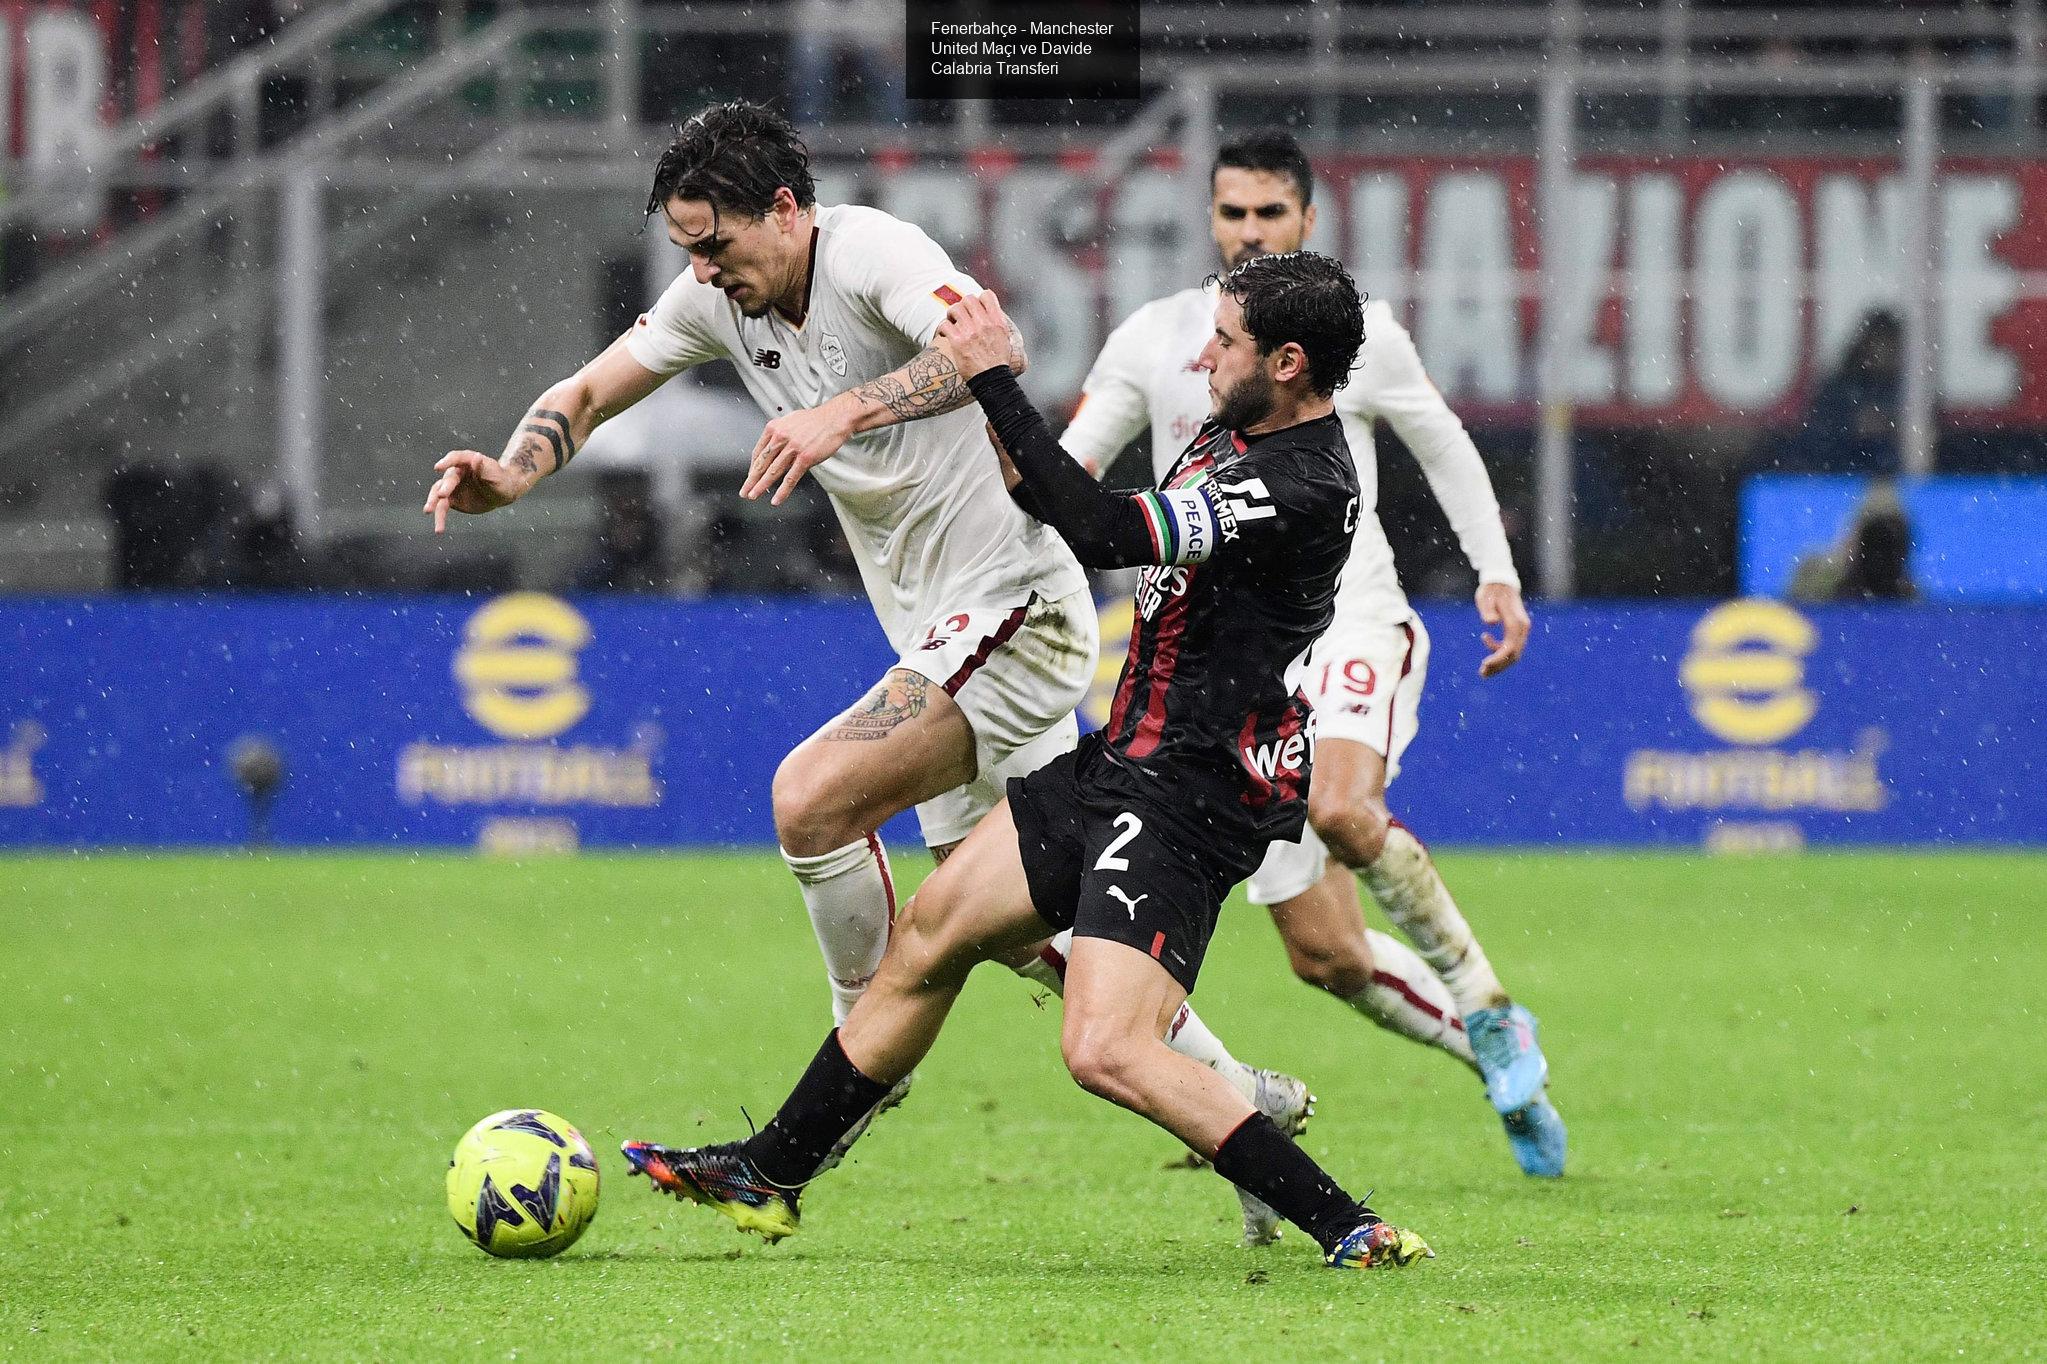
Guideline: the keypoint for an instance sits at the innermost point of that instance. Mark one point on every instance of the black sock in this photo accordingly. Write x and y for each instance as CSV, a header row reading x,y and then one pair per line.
x,y
827,1101
1262,1160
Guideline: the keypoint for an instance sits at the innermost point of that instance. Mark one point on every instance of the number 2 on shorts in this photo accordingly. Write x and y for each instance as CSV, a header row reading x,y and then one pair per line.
x,y
1131,826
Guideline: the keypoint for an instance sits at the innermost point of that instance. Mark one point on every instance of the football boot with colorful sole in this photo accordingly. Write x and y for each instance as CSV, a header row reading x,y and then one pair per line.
x,y
1378,1245
722,1178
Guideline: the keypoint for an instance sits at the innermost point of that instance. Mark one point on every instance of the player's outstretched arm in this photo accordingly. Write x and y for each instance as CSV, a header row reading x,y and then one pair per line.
x,y
1105,529
1401,392
793,445
549,435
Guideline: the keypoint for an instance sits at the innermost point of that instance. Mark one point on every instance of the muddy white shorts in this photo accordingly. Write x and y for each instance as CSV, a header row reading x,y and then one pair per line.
x,y
1018,671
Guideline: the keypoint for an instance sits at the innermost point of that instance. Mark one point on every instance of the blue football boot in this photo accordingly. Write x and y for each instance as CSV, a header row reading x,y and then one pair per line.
x,y
1503,1040
1537,1135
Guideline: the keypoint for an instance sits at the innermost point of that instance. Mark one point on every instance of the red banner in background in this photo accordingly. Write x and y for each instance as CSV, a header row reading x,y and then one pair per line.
x,y
1695,290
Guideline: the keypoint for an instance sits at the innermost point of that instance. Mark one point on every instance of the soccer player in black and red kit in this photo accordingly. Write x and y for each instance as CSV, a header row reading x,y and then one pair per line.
x,y
1134,839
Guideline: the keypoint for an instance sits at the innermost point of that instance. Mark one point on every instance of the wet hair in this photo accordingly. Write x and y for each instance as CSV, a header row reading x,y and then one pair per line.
x,y
1273,150
1307,298
734,156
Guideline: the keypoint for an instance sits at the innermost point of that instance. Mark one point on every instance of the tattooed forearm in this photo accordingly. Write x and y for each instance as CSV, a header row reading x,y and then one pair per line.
x,y
555,428
928,385
900,696
523,453
543,431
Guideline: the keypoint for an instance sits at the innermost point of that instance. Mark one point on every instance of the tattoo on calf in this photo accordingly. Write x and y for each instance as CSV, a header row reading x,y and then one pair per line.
x,y
934,386
902,695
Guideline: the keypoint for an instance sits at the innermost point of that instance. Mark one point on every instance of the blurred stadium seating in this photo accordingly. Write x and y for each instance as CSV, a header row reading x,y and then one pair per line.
x,y
322,243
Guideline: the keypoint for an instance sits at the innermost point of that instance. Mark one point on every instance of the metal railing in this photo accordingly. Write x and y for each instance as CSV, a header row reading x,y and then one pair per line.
x,y
236,89
285,169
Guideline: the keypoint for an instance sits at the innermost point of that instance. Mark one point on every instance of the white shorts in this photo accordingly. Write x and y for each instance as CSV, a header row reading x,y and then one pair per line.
x,y
1365,681
1018,672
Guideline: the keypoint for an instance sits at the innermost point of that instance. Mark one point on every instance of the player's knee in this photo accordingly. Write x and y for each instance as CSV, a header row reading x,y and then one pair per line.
x,y
1102,1060
809,820
1353,828
1342,968
926,949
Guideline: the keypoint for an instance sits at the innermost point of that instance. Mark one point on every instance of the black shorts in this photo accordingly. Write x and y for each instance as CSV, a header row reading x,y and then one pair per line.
x,y
1105,859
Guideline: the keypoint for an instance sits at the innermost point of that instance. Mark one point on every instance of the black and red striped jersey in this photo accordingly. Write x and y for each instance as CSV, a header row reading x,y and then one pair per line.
x,y
1249,537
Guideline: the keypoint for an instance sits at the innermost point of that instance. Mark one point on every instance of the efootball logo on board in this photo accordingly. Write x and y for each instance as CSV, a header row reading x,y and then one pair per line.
x,y
517,666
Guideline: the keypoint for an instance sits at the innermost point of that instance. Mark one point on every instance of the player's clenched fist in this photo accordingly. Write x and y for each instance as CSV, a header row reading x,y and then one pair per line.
x,y
471,482
976,333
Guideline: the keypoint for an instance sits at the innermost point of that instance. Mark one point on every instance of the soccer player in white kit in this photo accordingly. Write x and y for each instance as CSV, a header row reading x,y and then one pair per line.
x,y
1365,675
829,313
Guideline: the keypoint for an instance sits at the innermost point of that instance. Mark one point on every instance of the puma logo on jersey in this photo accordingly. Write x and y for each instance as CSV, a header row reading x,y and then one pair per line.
x,y
768,359
1129,903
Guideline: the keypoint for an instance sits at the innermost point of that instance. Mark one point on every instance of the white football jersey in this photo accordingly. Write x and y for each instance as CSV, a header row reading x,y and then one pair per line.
x,y
1145,375
922,502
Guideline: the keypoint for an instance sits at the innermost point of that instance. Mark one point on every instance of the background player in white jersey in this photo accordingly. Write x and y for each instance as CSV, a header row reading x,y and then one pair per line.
x,y
829,313
1366,673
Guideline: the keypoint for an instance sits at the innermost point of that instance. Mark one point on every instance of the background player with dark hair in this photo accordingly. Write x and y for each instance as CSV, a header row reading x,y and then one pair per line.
x,y
829,313
1134,839
1368,672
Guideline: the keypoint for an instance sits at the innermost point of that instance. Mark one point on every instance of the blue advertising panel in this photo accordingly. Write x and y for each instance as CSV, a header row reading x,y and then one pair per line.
x,y
529,721
1974,539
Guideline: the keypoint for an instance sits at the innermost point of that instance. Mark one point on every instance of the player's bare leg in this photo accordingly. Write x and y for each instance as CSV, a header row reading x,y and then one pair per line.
x,y
905,742
976,906
1279,1096
1329,947
1347,807
1119,1005
1284,1098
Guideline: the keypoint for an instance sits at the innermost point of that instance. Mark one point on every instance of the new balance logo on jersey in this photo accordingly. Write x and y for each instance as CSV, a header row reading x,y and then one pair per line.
x,y
1127,902
1246,501
768,359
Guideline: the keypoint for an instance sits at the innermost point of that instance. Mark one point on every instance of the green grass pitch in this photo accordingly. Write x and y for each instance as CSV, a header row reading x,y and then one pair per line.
x,y
1805,1095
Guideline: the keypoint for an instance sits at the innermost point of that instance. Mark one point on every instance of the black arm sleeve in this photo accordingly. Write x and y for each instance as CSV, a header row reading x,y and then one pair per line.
x,y
1106,529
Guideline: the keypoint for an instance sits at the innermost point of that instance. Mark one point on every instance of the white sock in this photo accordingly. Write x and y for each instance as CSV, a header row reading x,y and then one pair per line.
x,y
1188,1035
852,900
1406,997
1041,971
1405,883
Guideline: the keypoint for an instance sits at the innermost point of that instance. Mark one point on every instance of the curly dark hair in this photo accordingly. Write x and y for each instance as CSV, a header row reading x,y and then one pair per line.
x,y
1307,298
734,156
1273,150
